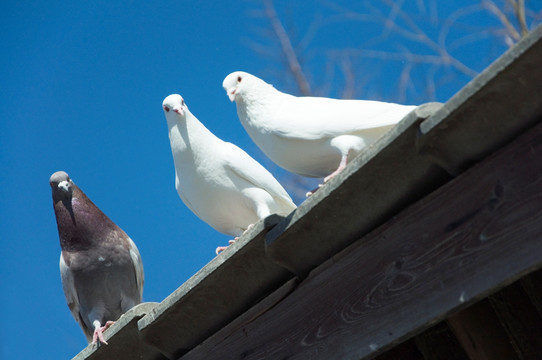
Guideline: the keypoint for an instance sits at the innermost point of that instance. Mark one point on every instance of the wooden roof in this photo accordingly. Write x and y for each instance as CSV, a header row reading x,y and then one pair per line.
x,y
426,247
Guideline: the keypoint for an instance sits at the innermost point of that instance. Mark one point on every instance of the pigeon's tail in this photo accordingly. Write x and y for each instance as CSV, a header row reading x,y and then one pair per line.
x,y
286,206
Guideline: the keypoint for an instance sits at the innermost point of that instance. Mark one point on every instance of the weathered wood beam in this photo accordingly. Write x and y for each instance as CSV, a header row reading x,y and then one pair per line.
x,y
232,282
520,320
124,331
439,343
471,237
532,284
406,350
500,103
480,333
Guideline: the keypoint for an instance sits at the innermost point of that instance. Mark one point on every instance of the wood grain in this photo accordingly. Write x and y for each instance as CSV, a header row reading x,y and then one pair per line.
x,y
471,237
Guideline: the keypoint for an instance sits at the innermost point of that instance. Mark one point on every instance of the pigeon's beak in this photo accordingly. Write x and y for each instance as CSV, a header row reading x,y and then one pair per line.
x,y
64,186
179,110
231,93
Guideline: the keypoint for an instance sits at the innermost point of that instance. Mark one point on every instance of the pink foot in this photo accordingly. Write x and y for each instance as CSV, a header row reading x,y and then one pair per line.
x,y
222,248
341,167
336,172
309,193
98,332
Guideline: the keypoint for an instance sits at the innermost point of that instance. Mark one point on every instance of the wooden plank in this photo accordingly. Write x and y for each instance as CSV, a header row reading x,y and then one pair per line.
x,y
477,233
520,319
439,343
404,351
532,284
124,339
493,108
481,334
232,282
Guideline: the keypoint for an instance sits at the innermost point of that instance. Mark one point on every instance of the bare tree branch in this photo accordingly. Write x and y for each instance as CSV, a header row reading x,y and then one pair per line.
x,y
404,82
519,9
438,48
491,7
287,48
395,21
349,79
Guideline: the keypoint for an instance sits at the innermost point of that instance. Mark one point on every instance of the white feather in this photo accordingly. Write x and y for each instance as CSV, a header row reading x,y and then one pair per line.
x,y
70,293
138,267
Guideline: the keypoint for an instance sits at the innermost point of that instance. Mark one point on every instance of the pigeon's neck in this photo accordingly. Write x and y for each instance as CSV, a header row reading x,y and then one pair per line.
x,y
259,95
257,109
81,225
189,137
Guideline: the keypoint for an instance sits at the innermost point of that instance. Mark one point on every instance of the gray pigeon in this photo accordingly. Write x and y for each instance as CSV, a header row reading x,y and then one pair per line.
x,y
100,266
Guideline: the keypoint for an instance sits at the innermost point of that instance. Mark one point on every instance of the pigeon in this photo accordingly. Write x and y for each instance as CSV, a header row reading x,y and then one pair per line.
x,y
100,266
309,136
217,180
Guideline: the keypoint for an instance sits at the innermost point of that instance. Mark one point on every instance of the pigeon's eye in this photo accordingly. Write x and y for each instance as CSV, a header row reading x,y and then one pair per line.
x,y
166,109
239,79
182,102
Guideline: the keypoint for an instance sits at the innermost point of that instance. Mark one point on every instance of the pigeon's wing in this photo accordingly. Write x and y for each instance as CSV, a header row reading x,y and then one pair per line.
x,y
138,267
72,299
311,118
252,171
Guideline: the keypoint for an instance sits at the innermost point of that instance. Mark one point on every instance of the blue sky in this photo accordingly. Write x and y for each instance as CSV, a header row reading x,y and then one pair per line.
x,y
83,84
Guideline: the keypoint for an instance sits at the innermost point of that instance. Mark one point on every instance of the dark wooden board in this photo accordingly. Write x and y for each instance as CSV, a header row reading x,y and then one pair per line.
x,y
439,343
232,282
404,351
532,284
471,237
500,103
124,340
520,319
479,331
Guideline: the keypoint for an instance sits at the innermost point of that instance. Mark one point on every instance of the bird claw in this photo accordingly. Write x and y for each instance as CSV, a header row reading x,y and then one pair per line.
x,y
310,193
330,176
222,248
98,334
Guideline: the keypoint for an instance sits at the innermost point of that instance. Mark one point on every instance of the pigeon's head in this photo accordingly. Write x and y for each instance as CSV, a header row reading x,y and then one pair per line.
x,y
174,103
237,83
61,184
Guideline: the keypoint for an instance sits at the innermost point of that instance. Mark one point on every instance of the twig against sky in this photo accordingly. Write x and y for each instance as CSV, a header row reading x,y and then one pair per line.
x,y
413,50
430,50
287,48
503,18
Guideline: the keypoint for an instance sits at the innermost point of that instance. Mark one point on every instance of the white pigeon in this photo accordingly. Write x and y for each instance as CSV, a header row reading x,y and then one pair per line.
x,y
309,136
218,181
